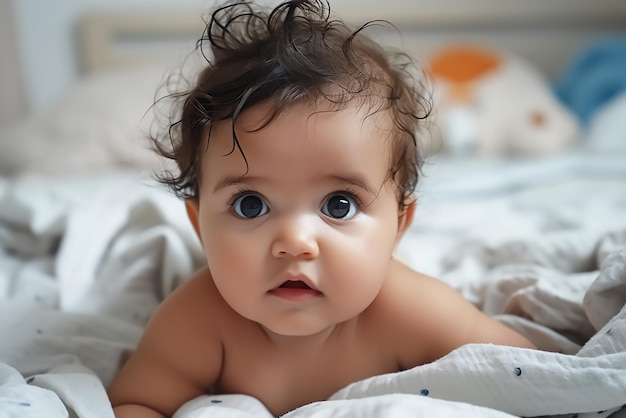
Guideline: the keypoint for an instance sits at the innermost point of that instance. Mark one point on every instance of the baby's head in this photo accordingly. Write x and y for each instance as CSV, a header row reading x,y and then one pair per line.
x,y
294,54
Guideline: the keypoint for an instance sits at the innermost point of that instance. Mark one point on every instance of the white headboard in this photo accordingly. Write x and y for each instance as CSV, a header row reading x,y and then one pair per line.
x,y
547,33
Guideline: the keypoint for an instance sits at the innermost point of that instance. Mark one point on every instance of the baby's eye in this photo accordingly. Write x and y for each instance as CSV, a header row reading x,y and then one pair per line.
x,y
340,206
250,206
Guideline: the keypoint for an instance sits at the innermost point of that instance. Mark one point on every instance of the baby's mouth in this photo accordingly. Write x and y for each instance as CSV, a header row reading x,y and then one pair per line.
x,y
296,290
294,284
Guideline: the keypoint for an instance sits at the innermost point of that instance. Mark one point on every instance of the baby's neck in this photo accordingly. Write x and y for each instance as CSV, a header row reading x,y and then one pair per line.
x,y
326,337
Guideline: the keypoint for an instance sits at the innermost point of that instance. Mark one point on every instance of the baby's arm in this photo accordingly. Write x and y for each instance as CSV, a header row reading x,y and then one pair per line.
x,y
177,359
442,319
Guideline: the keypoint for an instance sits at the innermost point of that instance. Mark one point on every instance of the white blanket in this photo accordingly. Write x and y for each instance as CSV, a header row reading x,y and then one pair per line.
x,y
83,263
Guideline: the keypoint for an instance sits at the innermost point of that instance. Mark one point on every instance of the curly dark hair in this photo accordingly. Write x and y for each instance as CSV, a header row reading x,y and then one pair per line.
x,y
292,54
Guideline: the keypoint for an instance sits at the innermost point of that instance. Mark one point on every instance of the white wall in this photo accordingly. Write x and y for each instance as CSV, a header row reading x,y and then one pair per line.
x,y
46,43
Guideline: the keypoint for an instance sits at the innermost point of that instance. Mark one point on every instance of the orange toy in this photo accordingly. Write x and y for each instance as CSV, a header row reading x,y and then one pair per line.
x,y
461,66
490,103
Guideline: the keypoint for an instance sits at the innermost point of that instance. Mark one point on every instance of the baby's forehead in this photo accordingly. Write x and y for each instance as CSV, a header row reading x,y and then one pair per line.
x,y
369,112
356,125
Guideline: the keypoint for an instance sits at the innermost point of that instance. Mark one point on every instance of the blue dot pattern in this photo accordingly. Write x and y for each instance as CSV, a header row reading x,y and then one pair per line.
x,y
424,392
517,371
216,401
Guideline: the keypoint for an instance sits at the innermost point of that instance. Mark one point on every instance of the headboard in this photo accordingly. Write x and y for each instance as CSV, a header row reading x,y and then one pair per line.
x,y
547,33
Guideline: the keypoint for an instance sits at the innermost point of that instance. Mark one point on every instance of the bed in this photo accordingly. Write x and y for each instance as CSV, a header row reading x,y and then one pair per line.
x,y
90,243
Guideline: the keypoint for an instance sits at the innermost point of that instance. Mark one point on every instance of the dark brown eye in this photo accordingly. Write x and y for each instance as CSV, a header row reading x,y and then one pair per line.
x,y
340,206
250,206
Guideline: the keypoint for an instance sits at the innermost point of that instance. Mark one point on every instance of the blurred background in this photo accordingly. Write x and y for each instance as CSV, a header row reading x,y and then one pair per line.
x,y
39,45
40,40
490,60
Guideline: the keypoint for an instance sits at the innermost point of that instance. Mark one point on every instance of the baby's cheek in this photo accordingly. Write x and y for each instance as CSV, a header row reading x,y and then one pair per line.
x,y
365,270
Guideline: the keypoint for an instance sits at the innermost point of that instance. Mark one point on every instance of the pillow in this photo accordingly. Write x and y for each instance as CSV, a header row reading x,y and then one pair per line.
x,y
607,127
101,125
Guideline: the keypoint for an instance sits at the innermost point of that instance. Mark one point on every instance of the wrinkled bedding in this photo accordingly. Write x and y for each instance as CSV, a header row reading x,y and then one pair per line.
x,y
540,245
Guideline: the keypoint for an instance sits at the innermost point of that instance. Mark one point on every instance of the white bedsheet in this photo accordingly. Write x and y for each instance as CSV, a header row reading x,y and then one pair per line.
x,y
83,262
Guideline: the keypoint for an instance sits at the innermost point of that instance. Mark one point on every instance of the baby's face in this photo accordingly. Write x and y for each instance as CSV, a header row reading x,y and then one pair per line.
x,y
302,240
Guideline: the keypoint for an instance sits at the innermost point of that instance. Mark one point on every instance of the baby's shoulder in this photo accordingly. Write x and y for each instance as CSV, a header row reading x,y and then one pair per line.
x,y
190,307
179,346
407,292
417,312
193,293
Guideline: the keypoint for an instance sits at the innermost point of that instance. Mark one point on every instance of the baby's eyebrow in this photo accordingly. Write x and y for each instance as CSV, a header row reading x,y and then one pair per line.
x,y
353,180
228,181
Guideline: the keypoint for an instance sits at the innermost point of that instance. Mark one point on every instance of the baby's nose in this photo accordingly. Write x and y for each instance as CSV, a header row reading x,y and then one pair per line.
x,y
296,237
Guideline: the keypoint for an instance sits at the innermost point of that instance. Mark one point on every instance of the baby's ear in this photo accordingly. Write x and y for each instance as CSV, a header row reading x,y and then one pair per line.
x,y
193,206
405,216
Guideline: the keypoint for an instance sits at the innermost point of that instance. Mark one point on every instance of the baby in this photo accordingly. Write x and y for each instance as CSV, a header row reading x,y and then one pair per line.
x,y
297,159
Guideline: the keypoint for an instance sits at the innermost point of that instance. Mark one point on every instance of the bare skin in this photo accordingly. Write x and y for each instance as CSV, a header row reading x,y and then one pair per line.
x,y
292,376
301,295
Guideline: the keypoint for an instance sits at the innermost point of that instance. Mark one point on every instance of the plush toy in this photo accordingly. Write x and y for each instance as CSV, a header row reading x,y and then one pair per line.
x,y
490,103
594,77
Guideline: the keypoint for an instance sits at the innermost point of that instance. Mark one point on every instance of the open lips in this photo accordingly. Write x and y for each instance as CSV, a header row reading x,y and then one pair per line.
x,y
294,284
295,290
